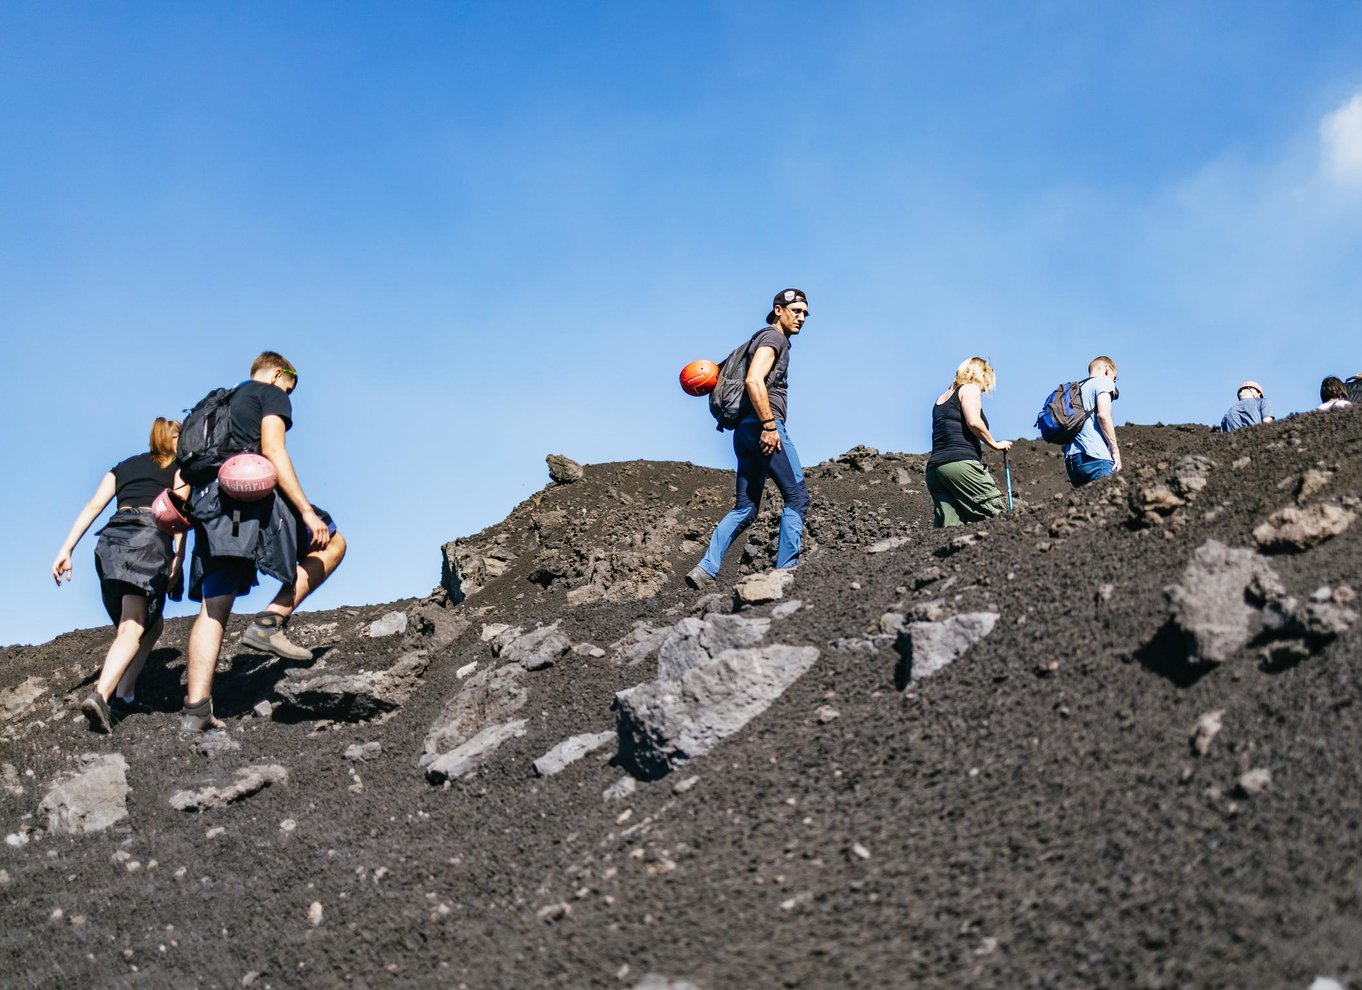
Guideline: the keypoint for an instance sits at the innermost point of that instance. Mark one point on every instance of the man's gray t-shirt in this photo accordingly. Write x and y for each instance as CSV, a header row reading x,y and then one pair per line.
x,y
777,380
1090,441
1247,412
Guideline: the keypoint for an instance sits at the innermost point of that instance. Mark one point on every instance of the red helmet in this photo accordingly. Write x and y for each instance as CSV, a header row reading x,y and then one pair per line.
x,y
247,477
699,377
167,514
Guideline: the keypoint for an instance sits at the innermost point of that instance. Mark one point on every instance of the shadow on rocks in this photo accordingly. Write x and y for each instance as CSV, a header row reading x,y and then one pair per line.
x,y
1166,654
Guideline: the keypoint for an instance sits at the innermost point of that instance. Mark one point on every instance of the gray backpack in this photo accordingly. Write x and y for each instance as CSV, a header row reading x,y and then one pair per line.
x,y
730,392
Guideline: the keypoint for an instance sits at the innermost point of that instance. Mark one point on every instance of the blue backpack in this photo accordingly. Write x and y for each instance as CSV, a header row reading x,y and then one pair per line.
x,y
1063,414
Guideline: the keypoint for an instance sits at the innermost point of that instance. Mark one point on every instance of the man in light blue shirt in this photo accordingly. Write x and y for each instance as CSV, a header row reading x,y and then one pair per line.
x,y
1094,453
1251,409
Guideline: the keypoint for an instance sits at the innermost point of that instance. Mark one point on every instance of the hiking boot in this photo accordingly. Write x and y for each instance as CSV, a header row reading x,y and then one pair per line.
x,y
266,635
96,712
199,718
700,579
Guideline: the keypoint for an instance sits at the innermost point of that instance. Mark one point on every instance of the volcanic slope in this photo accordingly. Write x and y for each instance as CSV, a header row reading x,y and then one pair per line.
x,y
1036,813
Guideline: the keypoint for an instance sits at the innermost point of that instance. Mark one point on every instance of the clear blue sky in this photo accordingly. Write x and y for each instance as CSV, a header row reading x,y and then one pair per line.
x,y
489,231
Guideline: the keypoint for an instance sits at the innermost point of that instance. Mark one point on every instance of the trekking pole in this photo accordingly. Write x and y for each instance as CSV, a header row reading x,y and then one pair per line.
x,y
1007,477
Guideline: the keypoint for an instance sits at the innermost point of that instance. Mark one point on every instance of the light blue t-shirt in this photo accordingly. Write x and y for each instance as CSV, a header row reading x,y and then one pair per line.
x,y
1246,412
1090,441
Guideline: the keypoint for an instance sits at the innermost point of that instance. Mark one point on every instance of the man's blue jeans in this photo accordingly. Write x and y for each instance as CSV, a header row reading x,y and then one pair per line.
x,y
753,467
1083,468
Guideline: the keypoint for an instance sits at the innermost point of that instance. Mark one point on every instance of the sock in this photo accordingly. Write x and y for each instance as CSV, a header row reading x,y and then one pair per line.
x,y
204,707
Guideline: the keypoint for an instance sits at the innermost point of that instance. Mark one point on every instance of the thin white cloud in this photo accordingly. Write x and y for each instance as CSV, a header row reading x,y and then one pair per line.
x,y
1340,135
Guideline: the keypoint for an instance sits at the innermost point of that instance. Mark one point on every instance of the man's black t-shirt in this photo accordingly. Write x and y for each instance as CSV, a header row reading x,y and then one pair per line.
x,y
251,403
139,479
778,377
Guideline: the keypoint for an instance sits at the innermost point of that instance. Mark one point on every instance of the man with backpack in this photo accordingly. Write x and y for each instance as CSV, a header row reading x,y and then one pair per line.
x,y
284,535
1093,453
762,445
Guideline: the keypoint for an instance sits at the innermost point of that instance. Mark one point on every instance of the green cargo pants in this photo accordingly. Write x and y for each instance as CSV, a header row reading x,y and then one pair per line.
x,y
962,491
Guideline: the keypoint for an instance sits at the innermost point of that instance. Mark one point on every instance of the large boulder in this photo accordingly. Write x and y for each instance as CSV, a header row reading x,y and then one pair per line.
x,y
662,724
693,642
1210,605
925,647
353,697
485,698
564,470
91,799
464,759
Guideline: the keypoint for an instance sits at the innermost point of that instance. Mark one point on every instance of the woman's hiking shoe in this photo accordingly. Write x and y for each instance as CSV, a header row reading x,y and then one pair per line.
x,y
96,712
266,635
199,718
700,579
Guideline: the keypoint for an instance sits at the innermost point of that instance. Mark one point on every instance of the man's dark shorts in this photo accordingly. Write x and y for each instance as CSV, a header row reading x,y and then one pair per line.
x,y
236,575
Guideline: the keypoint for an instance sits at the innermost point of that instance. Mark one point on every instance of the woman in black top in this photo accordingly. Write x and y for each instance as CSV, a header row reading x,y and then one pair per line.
x,y
961,487
136,564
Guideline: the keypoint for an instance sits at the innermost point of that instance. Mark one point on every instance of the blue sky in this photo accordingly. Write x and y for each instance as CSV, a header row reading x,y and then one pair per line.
x,y
489,231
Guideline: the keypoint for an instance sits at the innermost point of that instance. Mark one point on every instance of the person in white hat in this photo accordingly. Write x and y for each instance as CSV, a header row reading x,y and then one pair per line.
x,y
1251,409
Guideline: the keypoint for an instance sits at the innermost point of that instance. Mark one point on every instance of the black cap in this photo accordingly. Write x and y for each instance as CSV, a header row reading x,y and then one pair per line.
x,y
783,298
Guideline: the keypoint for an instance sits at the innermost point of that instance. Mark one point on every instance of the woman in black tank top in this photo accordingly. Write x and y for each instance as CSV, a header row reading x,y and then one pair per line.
x,y
136,563
961,487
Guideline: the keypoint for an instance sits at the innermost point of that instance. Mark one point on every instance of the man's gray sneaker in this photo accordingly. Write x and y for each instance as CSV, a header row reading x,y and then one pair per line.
x,y
96,712
700,579
199,718
266,635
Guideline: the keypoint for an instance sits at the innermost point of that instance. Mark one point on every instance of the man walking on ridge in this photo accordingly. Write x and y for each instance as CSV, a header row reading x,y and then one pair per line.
x,y
1094,453
762,445
284,535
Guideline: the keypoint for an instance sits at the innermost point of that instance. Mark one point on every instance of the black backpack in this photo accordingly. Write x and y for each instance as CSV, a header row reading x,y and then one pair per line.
x,y
1354,385
726,401
205,437
1063,414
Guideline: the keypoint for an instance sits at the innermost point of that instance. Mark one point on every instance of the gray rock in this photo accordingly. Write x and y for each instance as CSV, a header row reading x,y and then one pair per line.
x,y
1204,731
620,789
89,800
570,751
1297,528
564,470
263,709
249,780
925,647
642,642
769,586
485,698
1209,605
662,724
1312,482
15,701
391,624
538,648
363,751
1315,621
215,743
1326,983
1253,782
694,642
491,630
353,697
465,759
892,543
785,609
1191,474
435,627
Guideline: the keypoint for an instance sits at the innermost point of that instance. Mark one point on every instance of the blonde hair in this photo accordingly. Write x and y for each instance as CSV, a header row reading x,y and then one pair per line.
x,y
1100,361
976,371
164,434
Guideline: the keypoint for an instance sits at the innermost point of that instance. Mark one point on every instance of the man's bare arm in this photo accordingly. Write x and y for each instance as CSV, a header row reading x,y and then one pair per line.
x,y
1108,427
286,479
757,369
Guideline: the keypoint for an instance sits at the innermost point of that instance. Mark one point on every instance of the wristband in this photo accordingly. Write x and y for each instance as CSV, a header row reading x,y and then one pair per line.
x,y
771,421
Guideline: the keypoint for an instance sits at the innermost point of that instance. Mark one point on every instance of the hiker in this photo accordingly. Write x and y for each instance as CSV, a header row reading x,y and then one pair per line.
x,y
1333,394
284,535
1251,409
761,443
137,565
1094,453
961,487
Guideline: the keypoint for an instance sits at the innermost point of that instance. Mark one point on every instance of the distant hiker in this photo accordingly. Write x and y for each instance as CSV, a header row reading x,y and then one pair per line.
x,y
1094,453
1354,387
1333,394
284,535
1251,409
137,564
762,445
961,487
